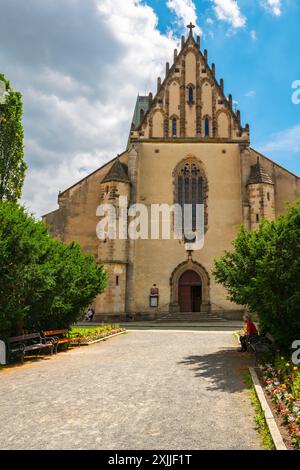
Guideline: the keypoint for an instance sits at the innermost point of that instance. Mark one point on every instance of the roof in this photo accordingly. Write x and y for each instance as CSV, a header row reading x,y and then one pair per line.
x,y
118,172
259,175
142,104
258,154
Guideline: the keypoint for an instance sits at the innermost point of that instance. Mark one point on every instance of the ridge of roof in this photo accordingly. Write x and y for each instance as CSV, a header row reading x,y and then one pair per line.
x,y
275,163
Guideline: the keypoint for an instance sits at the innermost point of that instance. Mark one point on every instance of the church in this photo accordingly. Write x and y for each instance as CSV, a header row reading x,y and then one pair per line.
x,y
186,145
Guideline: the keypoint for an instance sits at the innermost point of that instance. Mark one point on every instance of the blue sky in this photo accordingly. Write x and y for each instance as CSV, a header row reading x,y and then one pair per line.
x,y
80,65
259,62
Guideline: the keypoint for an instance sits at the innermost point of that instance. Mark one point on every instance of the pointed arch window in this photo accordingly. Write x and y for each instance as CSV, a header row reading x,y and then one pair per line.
x,y
174,127
190,95
206,127
191,187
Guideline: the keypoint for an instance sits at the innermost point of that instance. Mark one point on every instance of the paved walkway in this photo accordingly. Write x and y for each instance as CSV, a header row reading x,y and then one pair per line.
x,y
142,390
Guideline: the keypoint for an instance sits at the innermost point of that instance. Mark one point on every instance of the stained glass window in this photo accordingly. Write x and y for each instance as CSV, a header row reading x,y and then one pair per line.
x,y
190,189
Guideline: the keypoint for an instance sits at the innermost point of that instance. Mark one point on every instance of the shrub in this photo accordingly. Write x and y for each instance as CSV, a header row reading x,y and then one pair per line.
x,y
45,284
263,272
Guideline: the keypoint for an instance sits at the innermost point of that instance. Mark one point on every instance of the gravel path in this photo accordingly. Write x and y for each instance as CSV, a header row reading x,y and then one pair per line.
x,y
142,390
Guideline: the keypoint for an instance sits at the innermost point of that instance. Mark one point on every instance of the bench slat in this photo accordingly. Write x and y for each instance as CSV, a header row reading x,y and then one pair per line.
x,y
20,339
55,332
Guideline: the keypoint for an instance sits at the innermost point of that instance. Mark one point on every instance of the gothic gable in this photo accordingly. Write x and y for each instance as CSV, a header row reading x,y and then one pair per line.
x,y
190,103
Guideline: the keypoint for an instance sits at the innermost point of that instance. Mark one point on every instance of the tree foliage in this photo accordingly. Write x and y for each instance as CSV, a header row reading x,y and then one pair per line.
x,y
12,165
263,272
45,284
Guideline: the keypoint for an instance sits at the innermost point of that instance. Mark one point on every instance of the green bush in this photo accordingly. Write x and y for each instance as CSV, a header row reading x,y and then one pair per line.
x,y
263,272
45,284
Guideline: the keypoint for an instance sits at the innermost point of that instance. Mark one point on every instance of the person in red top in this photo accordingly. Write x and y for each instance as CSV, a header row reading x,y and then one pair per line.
x,y
250,333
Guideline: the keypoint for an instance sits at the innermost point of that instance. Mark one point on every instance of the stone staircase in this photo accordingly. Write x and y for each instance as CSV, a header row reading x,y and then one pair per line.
x,y
190,317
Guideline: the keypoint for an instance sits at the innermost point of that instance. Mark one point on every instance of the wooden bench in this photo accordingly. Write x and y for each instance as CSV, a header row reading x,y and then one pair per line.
x,y
57,337
19,346
261,345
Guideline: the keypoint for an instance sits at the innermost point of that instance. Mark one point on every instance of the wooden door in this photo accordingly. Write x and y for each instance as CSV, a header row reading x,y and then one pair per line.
x,y
189,292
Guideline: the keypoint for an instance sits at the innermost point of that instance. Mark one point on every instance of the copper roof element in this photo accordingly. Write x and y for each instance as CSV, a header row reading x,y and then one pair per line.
x,y
118,172
259,175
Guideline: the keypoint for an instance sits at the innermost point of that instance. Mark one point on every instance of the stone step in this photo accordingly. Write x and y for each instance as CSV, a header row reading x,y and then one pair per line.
x,y
189,317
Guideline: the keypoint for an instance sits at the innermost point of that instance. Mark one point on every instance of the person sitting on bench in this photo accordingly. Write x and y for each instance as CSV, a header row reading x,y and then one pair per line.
x,y
250,333
90,314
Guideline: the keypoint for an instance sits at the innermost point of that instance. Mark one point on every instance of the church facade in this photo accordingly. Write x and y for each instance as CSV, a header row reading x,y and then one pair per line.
x,y
186,145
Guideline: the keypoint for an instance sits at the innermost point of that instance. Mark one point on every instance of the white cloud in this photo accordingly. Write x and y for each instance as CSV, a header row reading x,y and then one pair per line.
x,y
229,11
250,93
253,35
288,139
79,83
273,6
185,11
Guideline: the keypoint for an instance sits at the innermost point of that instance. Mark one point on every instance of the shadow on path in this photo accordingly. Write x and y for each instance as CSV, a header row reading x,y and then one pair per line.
x,y
224,369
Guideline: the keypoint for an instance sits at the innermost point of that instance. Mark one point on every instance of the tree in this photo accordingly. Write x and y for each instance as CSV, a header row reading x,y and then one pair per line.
x,y
12,165
45,284
263,272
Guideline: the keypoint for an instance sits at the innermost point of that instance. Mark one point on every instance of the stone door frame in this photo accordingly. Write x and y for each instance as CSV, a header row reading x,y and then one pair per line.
x,y
174,284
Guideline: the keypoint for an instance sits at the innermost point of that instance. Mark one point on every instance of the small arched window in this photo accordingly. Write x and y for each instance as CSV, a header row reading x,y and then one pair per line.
x,y
142,114
206,127
190,95
174,127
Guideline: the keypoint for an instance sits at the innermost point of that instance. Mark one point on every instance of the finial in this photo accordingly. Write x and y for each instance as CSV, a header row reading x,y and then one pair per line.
x,y
182,41
191,26
247,127
205,55
198,41
213,69
158,83
175,54
230,100
150,97
167,68
222,84
238,115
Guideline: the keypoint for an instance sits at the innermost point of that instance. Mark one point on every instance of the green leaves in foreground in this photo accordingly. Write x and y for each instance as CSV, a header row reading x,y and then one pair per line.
x,y
45,284
263,272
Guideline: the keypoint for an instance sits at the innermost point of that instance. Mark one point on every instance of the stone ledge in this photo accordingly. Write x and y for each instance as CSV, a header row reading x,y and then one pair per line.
x,y
270,420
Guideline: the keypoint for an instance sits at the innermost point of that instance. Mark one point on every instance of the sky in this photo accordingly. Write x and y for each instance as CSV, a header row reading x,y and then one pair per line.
x,y
80,64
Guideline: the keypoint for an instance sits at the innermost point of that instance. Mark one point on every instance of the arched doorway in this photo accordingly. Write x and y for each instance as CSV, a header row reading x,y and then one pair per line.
x,y
190,292
197,277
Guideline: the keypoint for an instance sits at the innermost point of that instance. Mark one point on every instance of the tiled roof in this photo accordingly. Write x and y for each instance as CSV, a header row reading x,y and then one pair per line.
x,y
118,172
259,175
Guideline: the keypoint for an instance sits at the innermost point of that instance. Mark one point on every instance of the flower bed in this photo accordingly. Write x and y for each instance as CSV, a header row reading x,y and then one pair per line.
x,y
90,335
282,384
